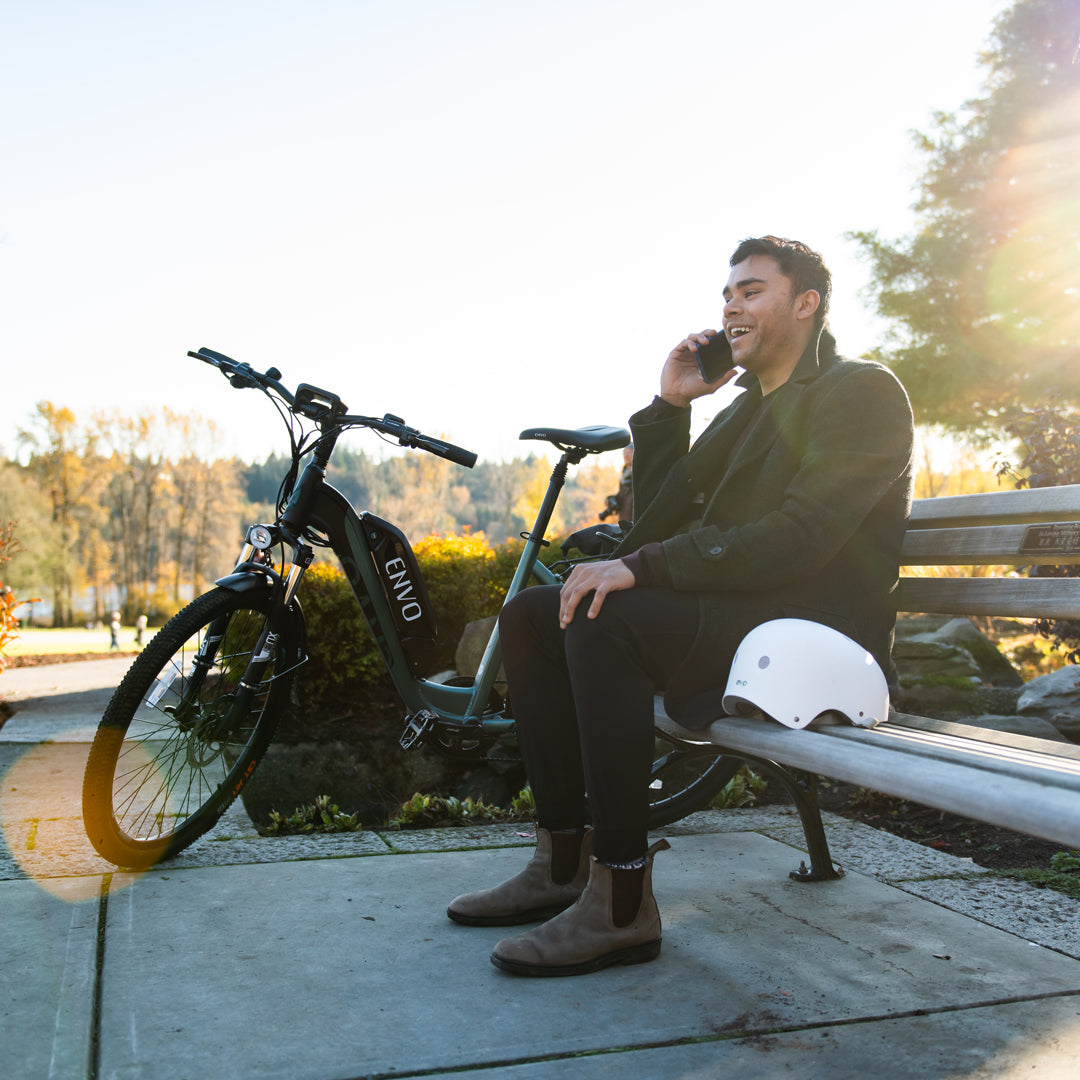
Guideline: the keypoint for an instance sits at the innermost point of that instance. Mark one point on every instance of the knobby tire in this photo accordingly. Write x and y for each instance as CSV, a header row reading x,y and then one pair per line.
x,y
171,753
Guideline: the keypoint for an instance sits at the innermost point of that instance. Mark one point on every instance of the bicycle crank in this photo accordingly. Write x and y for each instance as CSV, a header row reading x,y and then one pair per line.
x,y
466,740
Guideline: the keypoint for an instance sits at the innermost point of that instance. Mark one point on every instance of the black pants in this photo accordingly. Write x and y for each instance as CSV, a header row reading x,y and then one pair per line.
x,y
583,704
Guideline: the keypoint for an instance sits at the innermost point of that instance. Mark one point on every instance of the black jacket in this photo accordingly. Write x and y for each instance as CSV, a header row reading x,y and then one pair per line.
x,y
806,520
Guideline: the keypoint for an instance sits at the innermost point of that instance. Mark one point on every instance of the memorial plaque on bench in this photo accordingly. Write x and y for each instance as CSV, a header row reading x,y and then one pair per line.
x,y
1061,538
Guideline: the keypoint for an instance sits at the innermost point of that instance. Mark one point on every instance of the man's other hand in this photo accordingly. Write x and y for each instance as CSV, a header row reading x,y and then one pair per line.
x,y
599,578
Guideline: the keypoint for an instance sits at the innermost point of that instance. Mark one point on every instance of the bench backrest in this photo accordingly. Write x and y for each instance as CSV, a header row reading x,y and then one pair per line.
x,y
1027,527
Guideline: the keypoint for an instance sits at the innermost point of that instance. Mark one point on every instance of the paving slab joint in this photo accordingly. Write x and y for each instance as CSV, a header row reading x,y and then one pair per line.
x,y
93,1064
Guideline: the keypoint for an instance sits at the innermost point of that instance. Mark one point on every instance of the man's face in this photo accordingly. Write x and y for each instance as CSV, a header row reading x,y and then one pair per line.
x,y
761,316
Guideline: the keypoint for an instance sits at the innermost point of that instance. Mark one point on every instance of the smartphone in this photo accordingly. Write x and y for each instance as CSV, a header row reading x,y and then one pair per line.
x,y
715,358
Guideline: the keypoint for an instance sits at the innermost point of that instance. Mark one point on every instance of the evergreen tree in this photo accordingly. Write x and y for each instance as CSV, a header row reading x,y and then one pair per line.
x,y
984,297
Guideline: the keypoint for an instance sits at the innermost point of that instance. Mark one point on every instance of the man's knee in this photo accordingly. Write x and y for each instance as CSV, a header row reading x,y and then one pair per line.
x,y
610,621
532,613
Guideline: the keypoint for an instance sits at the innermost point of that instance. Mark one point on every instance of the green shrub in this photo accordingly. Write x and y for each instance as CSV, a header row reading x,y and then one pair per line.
x,y
320,816
466,579
742,790
342,654
523,806
1064,862
431,811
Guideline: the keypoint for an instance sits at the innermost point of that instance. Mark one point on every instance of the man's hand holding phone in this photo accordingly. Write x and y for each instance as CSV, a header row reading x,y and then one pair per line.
x,y
698,365
714,357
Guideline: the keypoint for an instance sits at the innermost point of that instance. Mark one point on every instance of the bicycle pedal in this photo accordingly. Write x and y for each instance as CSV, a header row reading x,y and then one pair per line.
x,y
417,725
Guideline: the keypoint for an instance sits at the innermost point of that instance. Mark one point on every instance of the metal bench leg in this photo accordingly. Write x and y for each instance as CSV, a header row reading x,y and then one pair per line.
x,y
802,786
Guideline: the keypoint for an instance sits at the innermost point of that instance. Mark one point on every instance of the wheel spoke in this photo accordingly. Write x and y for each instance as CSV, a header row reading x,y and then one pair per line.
x,y
173,745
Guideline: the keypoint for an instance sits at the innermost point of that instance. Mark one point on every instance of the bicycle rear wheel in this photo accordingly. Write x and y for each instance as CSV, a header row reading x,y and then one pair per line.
x,y
685,777
181,736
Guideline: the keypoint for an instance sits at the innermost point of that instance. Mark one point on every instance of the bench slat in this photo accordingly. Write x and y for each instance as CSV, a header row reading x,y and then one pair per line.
x,y
1057,748
987,545
1027,505
1019,597
1044,804
995,757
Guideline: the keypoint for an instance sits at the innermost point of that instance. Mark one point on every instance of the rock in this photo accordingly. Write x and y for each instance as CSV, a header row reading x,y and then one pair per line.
x,y
1056,698
909,626
993,667
916,659
958,702
470,650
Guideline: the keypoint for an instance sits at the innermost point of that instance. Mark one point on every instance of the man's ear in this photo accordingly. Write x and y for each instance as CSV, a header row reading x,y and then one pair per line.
x,y
807,303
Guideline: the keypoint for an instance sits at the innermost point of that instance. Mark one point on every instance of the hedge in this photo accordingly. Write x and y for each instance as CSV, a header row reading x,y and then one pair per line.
x,y
466,579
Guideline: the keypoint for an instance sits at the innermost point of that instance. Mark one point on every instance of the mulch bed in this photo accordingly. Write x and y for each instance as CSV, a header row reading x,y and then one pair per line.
x,y
986,845
63,658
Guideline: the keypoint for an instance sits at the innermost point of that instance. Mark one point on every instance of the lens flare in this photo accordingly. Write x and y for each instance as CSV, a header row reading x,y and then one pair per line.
x,y
1031,281
41,819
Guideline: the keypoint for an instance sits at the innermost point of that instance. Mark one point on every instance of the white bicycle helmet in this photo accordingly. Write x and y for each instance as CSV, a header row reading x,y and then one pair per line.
x,y
794,670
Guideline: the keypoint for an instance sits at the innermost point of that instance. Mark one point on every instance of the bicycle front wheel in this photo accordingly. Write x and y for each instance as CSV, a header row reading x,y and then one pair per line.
x,y
182,734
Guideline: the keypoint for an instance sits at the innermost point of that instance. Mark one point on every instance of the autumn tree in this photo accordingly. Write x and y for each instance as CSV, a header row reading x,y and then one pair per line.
x,y
215,515
136,492
143,511
175,508
61,460
23,502
984,297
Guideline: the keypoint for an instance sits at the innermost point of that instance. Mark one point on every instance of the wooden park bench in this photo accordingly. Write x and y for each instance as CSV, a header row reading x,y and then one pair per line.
x,y
1025,784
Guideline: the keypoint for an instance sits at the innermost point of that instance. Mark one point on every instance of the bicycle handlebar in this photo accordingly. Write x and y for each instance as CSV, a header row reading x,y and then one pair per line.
x,y
243,376
407,436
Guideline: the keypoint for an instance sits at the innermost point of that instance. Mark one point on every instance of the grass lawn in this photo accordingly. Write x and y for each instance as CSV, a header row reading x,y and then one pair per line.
x,y
45,641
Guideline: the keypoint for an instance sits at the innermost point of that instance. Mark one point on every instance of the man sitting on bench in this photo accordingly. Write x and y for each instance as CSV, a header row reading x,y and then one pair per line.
x,y
791,504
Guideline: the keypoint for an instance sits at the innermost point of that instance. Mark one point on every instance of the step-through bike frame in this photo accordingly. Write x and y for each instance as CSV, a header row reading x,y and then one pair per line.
x,y
332,515
316,504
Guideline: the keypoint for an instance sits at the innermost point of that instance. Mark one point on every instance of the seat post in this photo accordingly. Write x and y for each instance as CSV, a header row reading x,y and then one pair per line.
x,y
551,496
534,540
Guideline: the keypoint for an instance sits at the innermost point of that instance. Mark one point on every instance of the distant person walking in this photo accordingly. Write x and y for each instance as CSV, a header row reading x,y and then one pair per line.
x,y
114,632
140,629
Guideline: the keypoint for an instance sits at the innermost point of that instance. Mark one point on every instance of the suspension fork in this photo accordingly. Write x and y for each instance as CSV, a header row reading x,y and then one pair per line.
x,y
291,525
263,653
253,573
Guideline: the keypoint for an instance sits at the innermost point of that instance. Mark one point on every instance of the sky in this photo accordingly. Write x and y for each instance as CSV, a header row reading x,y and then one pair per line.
x,y
480,216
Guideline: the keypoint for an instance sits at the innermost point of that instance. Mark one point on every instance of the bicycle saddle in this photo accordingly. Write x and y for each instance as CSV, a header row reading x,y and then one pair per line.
x,y
593,440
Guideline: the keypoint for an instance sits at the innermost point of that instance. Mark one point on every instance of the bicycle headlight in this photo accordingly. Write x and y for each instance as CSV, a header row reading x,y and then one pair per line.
x,y
259,537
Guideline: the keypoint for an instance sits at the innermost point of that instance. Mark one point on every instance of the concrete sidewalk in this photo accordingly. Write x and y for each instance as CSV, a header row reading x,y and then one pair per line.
x,y
331,957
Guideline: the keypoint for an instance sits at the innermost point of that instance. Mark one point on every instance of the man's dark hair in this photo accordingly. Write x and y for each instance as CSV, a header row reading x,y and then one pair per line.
x,y
801,265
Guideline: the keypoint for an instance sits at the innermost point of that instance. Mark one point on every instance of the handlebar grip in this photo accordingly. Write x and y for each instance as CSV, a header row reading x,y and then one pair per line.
x,y
457,454
460,456
242,376
209,356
